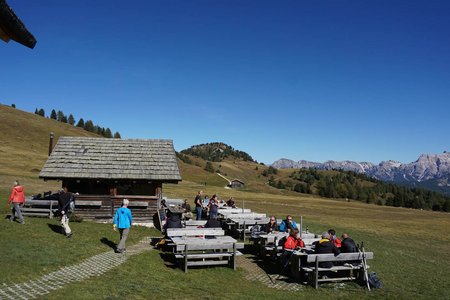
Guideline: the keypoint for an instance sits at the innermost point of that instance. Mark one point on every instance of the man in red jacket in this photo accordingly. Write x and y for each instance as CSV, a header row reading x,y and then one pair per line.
x,y
17,198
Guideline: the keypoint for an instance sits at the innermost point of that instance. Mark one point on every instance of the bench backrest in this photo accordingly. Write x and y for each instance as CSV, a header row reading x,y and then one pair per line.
x,y
195,222
194,232
341,257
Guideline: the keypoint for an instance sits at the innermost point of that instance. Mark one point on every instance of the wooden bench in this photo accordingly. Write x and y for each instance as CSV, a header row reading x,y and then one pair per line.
x,y
351,262
87,203
140,204
208,255
39,208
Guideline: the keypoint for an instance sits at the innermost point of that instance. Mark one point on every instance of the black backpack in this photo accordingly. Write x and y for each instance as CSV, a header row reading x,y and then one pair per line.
x,y
374,281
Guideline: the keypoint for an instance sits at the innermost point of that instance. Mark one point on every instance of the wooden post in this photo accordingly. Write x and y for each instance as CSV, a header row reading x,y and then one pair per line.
x,y
316,274
243,232
301,226
234,256
185,258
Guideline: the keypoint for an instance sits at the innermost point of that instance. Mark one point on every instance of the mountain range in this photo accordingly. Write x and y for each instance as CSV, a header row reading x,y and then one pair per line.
x,y
430,171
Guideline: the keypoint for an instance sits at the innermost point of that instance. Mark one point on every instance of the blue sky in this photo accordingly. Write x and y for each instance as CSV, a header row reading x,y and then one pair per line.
x,y
315,80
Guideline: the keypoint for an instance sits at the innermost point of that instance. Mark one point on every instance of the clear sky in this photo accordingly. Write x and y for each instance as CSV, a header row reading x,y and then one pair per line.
x,y
316,80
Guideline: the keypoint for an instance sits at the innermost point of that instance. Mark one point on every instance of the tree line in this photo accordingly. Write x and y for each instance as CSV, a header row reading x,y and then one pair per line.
x,y
355,186
86,125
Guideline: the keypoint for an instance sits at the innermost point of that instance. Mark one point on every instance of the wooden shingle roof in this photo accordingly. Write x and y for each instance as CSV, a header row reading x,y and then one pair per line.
x,y
101,158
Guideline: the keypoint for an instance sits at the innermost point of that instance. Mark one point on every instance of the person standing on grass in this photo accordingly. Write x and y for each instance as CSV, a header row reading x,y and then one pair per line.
x,y
198,205
17,198
123,220
213,207
66,203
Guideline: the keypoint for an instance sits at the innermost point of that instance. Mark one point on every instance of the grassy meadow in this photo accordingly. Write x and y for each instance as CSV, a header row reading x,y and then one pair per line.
x,y
411,246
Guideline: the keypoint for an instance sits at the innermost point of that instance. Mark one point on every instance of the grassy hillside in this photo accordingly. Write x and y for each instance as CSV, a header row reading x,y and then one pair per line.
x,y
24,147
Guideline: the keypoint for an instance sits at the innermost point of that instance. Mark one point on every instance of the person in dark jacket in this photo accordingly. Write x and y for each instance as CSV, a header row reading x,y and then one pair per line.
x,y
348,244
272,226
65,210
173,220
325,246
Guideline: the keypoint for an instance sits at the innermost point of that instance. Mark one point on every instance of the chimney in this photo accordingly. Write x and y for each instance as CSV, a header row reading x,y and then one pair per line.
x,y
50,144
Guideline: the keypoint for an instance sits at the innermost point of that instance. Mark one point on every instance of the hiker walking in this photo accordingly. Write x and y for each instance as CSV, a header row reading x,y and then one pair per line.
x,y
17,198
123,220
66,202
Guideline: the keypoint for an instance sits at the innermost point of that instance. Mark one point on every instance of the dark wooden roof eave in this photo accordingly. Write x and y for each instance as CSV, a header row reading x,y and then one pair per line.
x,y
13,27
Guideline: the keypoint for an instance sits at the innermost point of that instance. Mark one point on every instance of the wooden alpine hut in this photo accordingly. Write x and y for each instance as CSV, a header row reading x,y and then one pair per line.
x,y
105,171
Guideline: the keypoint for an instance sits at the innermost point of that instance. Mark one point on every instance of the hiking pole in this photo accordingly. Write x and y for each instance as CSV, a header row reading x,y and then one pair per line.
x,y
366,276
286,264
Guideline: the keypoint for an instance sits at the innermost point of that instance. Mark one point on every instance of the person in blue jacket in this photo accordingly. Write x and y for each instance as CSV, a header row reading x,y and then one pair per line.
x,y
288,224
123,221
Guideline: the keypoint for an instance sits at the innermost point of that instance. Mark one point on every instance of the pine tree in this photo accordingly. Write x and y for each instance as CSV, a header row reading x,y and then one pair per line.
x,y
53,115
41,112
80,123
59,115
36,112
89,126
71,119
117,135
13,105
64,119
108,133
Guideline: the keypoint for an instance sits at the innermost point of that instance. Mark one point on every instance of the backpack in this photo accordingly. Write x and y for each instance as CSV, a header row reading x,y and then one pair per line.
x,y
374,281
71,207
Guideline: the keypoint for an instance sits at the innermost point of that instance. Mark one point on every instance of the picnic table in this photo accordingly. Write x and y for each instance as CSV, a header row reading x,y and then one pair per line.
x,y
204,247
268,242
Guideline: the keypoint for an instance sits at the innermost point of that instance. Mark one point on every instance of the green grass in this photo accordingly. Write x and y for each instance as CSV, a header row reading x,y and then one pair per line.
x,y
37,247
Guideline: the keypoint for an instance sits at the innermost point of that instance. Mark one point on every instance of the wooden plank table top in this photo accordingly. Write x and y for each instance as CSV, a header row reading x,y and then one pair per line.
x,y
207,242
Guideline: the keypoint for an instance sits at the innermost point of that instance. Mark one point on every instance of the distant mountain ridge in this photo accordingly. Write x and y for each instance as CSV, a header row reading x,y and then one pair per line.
x,y
431,171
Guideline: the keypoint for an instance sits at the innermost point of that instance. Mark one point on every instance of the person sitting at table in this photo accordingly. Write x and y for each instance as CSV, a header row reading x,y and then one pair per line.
x,y
325,246
348,244
230,203
288,224
213,223
293,242
173,220
333,238
272,226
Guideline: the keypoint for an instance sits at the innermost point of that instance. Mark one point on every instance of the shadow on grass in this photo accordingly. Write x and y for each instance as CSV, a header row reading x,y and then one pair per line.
x,y
56,228
169,260
109,243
